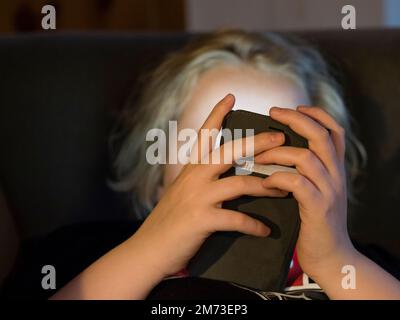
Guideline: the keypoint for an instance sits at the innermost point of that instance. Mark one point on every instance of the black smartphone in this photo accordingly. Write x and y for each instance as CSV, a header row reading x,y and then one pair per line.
x,y
254,262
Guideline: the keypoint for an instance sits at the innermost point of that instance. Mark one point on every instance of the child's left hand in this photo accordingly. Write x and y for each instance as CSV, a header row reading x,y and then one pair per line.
x,y
319,186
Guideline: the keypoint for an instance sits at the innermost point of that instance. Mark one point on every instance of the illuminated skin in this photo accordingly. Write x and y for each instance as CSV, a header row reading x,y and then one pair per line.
x,y
189,208
254,91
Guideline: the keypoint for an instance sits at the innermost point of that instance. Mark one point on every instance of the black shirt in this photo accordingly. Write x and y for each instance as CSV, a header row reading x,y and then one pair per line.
x,y
73,248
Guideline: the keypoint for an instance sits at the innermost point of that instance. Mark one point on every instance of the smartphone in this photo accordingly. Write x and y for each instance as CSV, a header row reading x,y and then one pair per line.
x,y
254,262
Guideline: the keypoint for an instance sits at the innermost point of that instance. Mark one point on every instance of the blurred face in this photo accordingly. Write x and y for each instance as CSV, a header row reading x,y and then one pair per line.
x,y
254,90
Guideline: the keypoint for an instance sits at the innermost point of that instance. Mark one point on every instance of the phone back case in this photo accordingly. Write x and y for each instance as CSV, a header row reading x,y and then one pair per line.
x,y
258,263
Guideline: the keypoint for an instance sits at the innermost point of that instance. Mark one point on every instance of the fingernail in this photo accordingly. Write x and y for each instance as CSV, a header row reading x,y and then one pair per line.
x,y
275,110
266,231
229,97
276,136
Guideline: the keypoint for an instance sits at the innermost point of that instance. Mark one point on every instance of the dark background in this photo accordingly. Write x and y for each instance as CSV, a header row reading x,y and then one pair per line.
x,y
195,15
62,90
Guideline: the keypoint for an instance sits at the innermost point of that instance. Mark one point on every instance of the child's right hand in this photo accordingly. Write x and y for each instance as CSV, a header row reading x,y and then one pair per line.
x,y
190,209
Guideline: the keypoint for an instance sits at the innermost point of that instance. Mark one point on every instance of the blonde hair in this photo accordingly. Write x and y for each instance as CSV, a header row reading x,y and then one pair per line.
x,y
169,87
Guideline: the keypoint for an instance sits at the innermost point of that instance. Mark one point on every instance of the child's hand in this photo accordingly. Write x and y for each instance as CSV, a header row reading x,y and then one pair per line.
x,y
191,209
319,187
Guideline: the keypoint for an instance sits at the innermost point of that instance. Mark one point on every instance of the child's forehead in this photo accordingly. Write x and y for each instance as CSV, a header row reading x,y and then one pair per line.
x,y
254,91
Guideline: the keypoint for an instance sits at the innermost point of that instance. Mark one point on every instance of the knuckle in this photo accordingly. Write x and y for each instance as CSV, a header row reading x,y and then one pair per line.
x,y
299,181
319,111
239,220
330,198
241,182
306,155
324,134
333,193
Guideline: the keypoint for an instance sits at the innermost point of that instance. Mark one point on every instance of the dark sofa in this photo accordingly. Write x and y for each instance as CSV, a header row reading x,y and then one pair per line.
x,y
60,95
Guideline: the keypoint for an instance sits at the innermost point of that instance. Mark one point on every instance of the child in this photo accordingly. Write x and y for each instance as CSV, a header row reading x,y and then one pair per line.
x,y
181,204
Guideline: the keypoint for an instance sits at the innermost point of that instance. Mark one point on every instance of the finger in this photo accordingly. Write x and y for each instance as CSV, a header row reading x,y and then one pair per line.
x,y
223,157
229,220
302,189
211,126
235,186
215,118
305,161
325,119
319,140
